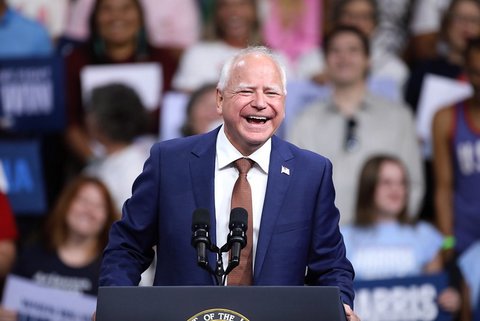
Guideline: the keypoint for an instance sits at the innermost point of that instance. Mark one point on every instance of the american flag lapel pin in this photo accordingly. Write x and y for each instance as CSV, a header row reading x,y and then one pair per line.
x,y
285,170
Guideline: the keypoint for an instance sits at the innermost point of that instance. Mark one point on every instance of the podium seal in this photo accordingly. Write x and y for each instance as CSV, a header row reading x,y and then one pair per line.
x,y
218,315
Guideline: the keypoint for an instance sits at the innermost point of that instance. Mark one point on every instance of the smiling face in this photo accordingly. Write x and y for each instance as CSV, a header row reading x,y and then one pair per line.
x,y
235,19
359,14
87,214
347,60
391,191
204,116
252,103
118,21
463,24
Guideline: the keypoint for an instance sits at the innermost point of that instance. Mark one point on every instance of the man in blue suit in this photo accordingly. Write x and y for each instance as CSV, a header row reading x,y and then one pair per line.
x,y
296,239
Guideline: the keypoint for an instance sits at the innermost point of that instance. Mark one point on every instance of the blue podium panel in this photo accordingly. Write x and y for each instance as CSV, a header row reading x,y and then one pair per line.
x,y
200,303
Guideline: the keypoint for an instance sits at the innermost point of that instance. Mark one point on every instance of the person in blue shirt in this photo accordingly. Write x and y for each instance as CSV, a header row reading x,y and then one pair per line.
x,y
21,37
383,243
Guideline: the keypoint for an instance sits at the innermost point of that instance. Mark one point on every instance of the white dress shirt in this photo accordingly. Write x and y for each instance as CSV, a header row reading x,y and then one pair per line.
x,y
226,175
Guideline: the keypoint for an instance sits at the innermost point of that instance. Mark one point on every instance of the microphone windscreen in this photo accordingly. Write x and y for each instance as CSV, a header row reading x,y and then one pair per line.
x,y
201,216
238,216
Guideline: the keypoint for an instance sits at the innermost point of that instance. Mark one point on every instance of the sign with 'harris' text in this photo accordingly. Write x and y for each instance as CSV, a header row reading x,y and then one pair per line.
x,y
401,299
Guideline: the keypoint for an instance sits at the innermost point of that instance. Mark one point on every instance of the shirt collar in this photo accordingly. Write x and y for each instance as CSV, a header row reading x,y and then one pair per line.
x,y
365,104
227,153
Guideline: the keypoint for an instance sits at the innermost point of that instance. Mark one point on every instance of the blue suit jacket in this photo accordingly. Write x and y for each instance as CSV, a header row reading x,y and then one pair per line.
x,y
298,232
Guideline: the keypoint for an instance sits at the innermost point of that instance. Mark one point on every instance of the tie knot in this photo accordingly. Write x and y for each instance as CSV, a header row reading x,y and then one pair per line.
x,y
243,165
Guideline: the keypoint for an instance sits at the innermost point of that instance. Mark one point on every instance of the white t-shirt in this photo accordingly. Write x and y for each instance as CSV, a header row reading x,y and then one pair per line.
x,y
119,170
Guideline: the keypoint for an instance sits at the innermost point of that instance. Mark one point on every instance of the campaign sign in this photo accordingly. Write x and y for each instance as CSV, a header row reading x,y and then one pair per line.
x,y
34,302
23,169
145,78
32,94
401,299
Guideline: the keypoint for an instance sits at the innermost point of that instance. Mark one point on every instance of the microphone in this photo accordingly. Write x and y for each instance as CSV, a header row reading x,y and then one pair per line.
x,y
200,235
237,238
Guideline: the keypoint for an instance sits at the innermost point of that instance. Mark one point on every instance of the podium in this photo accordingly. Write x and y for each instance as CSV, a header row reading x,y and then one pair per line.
x,y
211,303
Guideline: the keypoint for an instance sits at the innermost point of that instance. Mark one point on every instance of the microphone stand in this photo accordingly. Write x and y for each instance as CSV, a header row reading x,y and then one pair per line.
x,y
220,273
236,240
233,263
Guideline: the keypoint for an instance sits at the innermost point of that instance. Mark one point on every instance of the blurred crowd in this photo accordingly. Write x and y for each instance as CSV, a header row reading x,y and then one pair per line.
x,y
357,73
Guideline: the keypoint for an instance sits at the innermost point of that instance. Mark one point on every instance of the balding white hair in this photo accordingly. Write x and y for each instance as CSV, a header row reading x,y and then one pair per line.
x,y
254,50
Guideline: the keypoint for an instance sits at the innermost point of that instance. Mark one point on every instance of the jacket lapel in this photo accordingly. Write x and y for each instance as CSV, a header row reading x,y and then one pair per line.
x,y
202,173
279,173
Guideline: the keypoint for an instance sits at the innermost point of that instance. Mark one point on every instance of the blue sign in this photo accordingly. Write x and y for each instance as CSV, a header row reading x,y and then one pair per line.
x,y
23,170
401,299
32,95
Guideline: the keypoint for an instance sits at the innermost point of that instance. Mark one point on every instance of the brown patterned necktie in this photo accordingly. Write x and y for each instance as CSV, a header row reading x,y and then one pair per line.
x,y
242,197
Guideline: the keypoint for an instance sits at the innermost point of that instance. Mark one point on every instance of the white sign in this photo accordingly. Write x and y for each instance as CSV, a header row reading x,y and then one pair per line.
x,y
437,92
36,302
144,78
173,115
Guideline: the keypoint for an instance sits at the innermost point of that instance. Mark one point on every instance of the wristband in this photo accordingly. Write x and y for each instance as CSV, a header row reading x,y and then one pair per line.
x,y
448,242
